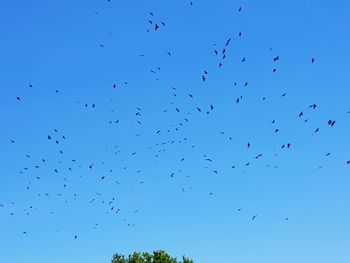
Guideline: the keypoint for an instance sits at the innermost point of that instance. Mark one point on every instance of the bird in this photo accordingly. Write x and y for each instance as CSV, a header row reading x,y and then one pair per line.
x,y
313,106
258,156
331,123
255,216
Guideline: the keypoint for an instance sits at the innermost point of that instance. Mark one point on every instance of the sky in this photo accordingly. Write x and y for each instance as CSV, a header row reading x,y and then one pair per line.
x,y
111,142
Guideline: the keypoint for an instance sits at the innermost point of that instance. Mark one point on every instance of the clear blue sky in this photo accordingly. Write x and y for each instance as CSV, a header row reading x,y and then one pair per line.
x,y
199,207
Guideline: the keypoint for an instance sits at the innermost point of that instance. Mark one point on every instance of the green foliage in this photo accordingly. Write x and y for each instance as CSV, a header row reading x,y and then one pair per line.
x,y
159,256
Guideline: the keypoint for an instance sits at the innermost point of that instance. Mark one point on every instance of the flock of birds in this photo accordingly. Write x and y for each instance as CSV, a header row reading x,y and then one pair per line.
x,y
156,149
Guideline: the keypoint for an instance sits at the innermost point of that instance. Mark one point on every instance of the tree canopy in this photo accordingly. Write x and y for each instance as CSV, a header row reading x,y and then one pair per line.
x,y
158,256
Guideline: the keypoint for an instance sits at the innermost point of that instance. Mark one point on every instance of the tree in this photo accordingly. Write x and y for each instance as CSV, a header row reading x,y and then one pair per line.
x,y
158,256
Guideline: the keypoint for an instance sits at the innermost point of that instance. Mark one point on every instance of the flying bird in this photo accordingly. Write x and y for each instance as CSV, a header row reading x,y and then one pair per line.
x,y
313,106
331,123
